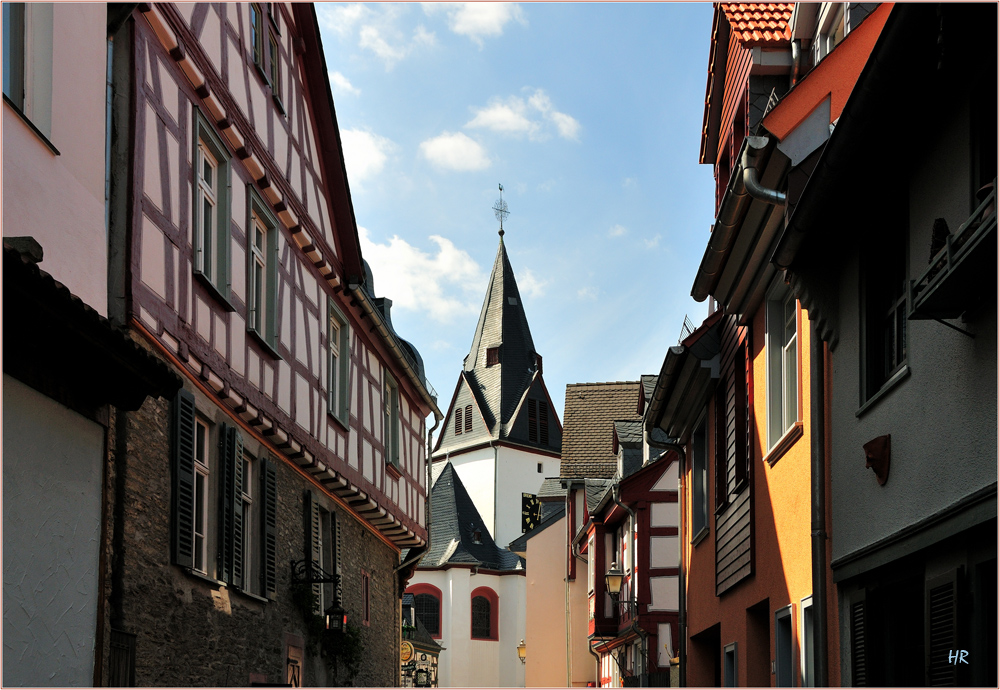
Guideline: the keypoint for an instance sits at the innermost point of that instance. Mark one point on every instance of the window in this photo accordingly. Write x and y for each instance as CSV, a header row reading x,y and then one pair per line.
x,y
274,66
257,34
211,207
27,62
262,270
13,52
468,417
492,356
201,471
485,609
251,577
338,342
729,669
480,618
699,480
884,305
427,607
458,421
365,601
731,456
538,422
539,468
322,550
832,30
783,648
543,423
591,564
782,363
390,420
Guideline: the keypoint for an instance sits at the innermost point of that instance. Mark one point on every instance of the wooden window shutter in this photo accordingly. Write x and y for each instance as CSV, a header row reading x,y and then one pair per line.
x,y
314,545
533,421
468,417
335,526
231,506
721,445
269,528
182,466
458,421
859,658
492,356
941,625
543,423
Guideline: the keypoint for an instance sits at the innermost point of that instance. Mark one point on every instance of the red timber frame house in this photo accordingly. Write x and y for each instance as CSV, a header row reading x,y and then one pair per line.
x,y
294,457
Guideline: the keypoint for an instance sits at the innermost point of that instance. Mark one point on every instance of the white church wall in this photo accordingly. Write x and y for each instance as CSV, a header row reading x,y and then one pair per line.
x,y
476,470
518,474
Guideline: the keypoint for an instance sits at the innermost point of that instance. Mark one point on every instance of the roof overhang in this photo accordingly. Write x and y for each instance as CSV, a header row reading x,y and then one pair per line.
x,y
714,88
685,380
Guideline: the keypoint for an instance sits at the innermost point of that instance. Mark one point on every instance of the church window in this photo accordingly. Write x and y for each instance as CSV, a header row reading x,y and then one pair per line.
x,y
428,612
543,423
458,422
485,610
533,421
492,356
468,417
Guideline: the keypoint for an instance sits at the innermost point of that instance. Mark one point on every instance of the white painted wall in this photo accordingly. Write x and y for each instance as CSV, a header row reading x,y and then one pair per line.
x,y
477,471
52,472
477,663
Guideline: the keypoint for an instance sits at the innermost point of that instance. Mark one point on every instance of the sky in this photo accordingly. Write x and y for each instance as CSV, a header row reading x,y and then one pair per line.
x,y
589,115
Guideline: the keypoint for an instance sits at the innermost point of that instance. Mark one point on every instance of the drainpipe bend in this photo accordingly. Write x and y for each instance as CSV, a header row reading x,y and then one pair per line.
x,y
752,154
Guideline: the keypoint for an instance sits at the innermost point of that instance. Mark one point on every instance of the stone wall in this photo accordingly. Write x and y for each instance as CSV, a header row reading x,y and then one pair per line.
x,y
195,631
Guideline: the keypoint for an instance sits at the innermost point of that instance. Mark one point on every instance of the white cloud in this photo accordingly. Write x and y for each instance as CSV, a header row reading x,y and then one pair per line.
x,y
341,18
378,28
617,231
589,292
504,116
446,284
530,285
455,151
478,20
652,243
371,38
364,152
342,83
517,116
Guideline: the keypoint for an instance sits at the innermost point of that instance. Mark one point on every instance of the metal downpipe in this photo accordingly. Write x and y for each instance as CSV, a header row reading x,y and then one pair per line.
x,y
817,471
751,156
427,497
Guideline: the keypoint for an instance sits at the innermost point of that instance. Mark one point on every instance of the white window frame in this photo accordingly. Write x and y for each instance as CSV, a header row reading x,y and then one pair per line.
x,y
807,663
257,33
390,419
730,672
257,298
699,480
591,564
782,366
338,341
211,239
202,473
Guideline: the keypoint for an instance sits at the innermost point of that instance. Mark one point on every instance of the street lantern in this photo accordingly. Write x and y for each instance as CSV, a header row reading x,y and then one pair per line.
x,y
336,618
522,651
613,581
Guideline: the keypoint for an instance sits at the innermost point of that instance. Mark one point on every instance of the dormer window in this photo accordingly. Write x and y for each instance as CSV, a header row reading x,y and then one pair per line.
x,y
477,537
492,356
538,363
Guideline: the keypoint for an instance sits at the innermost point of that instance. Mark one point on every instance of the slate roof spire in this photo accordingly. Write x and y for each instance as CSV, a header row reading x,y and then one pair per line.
x,y
502,359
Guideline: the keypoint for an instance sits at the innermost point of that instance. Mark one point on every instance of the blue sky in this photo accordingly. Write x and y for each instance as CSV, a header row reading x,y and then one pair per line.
x,y
588,114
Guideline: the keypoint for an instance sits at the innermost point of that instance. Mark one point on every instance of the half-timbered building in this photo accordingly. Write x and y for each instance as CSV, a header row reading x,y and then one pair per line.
x,y
281,483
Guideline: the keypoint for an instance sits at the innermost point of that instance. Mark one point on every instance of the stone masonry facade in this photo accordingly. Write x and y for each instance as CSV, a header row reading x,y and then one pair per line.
x,y
195,631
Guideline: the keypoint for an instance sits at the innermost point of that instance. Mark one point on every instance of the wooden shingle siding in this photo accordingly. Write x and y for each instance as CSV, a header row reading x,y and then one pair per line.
x,y
734,520
737,73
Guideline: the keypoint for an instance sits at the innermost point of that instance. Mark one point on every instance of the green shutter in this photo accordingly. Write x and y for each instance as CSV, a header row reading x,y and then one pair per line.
x,y
224,508
269,531
182,465
235,462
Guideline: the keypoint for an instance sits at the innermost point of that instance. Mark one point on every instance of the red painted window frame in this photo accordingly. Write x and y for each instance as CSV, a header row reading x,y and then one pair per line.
x,y
490,596
426,588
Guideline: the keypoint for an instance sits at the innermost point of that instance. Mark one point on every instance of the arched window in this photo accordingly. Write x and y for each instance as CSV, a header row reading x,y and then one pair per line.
x,y
427,607
485,614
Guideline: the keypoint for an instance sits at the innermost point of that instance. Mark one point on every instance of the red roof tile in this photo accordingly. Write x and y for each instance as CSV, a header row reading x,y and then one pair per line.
x,y
760,23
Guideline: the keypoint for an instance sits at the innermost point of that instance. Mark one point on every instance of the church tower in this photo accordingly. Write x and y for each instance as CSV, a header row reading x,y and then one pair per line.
x,y
502,433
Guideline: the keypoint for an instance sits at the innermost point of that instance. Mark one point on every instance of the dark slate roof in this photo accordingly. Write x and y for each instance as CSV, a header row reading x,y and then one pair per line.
x,y
454,518
552,487
589,415
629,432
596,488
555,511
648,385
502,323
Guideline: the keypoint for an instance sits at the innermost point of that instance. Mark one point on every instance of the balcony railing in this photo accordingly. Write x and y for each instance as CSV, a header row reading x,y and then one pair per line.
x,y
959,273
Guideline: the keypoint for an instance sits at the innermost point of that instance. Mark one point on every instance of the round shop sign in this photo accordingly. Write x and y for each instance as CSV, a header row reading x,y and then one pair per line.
x,y
406,652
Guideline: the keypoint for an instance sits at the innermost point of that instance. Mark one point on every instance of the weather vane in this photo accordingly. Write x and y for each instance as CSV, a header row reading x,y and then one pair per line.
x,y
500,210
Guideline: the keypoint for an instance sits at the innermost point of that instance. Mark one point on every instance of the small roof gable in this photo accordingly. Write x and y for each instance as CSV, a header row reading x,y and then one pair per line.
x,y
551,488
588,426
628,432
454,524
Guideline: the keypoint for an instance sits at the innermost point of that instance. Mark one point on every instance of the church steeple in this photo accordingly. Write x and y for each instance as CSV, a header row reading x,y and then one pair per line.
x,y
502,359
